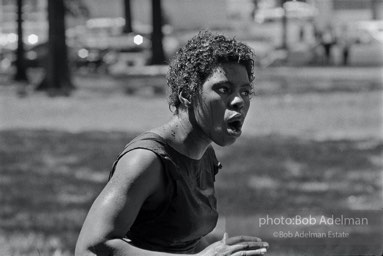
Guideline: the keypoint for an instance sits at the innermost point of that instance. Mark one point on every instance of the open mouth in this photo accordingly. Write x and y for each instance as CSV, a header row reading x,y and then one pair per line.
x,y
235,127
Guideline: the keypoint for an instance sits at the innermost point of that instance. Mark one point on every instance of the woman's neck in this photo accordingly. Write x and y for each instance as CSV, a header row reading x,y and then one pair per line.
x,y
181,135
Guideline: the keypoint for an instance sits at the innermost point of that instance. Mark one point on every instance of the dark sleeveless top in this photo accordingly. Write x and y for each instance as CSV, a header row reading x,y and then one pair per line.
x,y
189,211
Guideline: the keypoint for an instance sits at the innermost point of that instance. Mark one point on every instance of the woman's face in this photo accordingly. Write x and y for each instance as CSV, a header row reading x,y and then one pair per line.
x,y
221,108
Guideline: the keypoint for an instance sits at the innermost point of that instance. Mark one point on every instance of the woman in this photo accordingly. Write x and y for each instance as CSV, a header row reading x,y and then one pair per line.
x,y
160,196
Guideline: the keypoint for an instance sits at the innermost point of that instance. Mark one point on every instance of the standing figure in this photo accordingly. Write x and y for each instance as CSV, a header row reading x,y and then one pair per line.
x,y
345,44
327,41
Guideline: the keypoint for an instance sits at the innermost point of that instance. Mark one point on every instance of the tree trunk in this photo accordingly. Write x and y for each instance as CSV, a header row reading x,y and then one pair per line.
x,y
284,26
376,9
158,56
20,74
254,9
128,18
57,80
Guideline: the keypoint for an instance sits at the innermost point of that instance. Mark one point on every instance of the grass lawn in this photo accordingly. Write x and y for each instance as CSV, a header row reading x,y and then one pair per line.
x,y
309,154
49,179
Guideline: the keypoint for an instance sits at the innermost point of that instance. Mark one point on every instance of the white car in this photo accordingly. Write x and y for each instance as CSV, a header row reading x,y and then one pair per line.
x,y
367,46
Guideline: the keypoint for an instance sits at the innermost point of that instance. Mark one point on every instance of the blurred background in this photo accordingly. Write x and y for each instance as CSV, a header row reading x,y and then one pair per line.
x,y
79,79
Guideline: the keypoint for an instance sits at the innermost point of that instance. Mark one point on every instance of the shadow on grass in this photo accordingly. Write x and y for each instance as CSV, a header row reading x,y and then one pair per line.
x,y
48,181
279,172
50,178
279,176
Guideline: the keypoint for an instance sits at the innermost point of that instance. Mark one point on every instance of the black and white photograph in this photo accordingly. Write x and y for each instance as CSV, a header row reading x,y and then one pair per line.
x,y
191,127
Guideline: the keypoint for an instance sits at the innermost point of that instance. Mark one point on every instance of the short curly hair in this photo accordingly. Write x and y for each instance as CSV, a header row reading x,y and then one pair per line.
x,y
196,61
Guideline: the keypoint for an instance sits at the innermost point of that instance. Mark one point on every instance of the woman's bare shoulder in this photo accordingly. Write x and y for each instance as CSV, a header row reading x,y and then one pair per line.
x,y
139,166
136,178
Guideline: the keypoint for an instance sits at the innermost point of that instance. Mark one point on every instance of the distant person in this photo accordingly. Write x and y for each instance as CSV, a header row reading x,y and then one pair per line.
x,y
327,41
345,44
317,48
160,198
302,33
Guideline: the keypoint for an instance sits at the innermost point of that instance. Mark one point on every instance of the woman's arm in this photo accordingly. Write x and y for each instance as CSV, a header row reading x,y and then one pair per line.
x,y
137,177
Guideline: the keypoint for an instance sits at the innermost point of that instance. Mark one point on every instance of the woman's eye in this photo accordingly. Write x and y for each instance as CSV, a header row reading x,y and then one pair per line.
x,y
247,93
223,90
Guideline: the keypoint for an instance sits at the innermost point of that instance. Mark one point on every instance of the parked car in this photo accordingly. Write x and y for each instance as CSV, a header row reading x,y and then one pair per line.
x,y
294,10
37,55
367,43
114,54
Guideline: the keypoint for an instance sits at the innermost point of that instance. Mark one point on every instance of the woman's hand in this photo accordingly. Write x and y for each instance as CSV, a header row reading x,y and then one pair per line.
x,y
236,246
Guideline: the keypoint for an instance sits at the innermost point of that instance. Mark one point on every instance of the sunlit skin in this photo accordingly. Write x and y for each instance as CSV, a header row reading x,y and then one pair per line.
x,y
208,117
224,97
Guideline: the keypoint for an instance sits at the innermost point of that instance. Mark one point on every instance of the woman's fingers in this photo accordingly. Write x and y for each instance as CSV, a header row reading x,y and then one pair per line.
x,y
248,246
244,245
251,252
240,239
224,239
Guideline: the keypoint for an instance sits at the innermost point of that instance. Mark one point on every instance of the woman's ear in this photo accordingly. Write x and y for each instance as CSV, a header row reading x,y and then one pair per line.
x,y
184,101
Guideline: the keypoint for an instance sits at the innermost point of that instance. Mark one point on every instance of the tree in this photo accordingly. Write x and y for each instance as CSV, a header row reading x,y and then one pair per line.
x,y
284,25
57,80
158,56
254,9
128,17
20,74
376,6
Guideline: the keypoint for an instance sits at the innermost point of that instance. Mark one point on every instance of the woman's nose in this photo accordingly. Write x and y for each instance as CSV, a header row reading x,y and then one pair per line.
x,y
237,103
